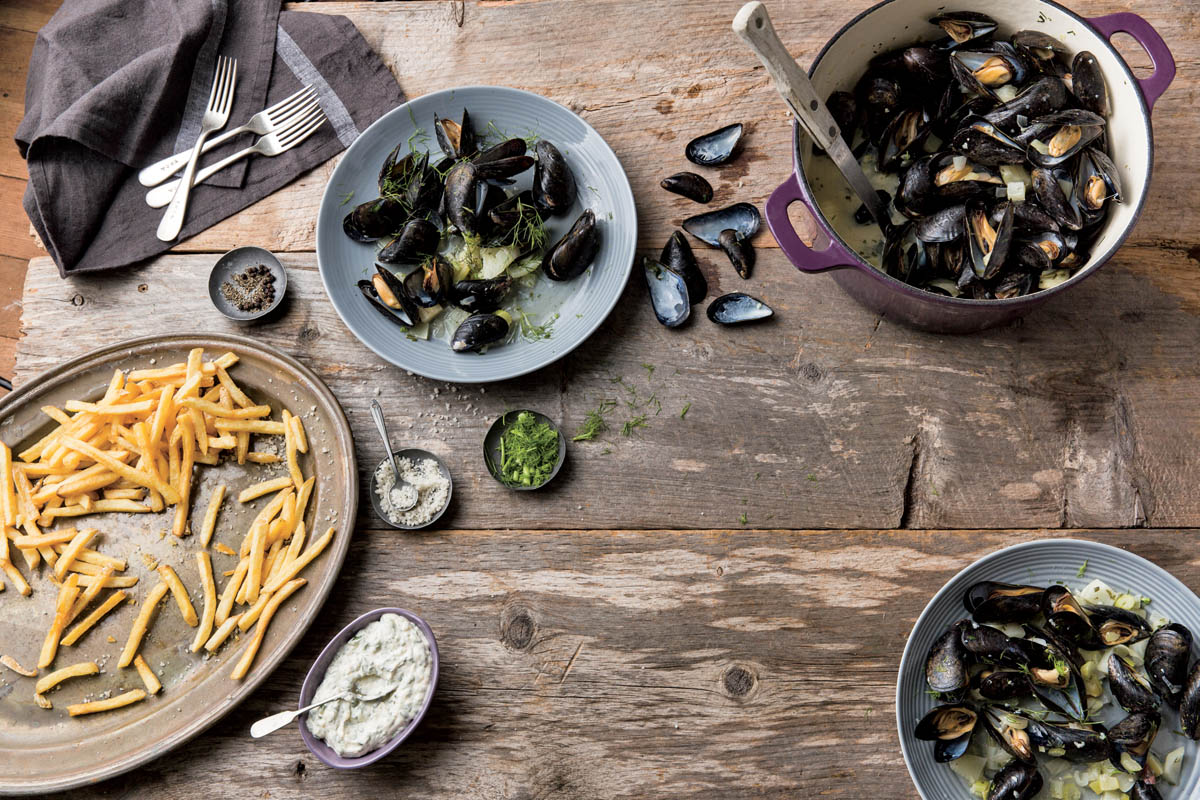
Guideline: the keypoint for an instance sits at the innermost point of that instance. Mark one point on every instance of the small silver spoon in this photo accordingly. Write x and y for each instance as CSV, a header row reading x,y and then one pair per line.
x,y
377,415
276,721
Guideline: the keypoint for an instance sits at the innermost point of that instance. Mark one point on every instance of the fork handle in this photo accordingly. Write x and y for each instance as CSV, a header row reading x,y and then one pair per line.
x,y
159,196
172,221
159,171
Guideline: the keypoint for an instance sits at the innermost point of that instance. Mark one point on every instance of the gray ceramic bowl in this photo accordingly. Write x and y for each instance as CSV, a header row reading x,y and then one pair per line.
x,y
413,453
236,260
491,448
1040,564
582,304
316,674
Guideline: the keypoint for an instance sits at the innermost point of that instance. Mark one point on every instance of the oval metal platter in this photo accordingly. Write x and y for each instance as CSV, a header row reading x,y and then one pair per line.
x,y
46,750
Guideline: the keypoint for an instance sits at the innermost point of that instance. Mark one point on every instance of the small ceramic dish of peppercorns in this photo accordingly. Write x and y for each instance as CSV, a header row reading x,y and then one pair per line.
x,y
247,284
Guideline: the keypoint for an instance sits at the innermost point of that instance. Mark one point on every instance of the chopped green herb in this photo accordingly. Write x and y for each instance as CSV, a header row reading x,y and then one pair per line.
x,y
743,519
348,197
533,333
1082,569
528,450
633,424
594,424
686,408
649,370
606,451
812,477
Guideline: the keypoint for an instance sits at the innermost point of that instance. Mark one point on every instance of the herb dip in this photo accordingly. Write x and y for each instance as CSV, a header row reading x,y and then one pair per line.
x,y
389,652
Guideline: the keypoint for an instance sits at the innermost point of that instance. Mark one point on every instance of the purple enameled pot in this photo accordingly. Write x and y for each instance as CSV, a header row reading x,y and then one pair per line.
x,y
896,22
316,674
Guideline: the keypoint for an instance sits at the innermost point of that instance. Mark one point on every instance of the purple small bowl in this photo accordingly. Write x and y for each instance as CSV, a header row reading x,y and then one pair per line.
x,y
316,674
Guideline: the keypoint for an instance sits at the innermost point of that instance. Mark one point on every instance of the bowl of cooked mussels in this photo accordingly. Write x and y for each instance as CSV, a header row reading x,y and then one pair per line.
x,y
1059,669
476,234
1012,142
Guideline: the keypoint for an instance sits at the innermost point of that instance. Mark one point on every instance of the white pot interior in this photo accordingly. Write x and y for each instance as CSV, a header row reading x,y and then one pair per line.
x,y
903,22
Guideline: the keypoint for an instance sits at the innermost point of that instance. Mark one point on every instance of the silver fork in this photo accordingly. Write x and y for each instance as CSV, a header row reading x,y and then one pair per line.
x,y
262,122
291,132
220,99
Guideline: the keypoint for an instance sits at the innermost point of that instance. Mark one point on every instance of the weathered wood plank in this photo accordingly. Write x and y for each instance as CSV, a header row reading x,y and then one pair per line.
x,y
626,664
648,89
825,417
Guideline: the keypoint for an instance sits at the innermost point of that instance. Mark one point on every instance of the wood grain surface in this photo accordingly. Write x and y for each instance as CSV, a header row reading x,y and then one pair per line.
x,y
663,622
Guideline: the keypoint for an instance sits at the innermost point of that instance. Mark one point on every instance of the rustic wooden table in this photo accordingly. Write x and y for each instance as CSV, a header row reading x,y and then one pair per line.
x,y
715,604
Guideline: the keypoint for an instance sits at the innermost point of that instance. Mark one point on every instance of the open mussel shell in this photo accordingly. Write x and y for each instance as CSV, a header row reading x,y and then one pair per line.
x,y
668,293
1168,654
478,331
1037,46
1117,626
387,294
1131,691
1063,135
737,308
1015,781
742,218
992,601
983,143
987,246
905,256
956,179
1087,83
457,140
714,148
1096,183
1082,744
554,189
963,26
946,669
1065,616
677,255
950,728
503,217
905,134
1009,728
983,70
481,294
428,286
1043,96
417,240
575,251
1189,704
374,219
689,185
1050,194
1130,739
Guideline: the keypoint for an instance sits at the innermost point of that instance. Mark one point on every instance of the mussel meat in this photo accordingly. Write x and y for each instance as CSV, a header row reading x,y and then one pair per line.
x,y
668,293
949,727
1167,656
457,140
480,330
1096,183
907,131
1015,781
963,26
1062,135
1130,739
575,251
429,285
417,240
1117,626
737,308
1009,728
987,247
482,294
714,148
554,188
689,185
981,71
375,219
990,601
677,256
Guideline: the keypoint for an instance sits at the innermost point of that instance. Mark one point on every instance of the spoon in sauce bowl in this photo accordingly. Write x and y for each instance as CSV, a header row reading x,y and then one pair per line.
x,y
402,490
276,721
754,26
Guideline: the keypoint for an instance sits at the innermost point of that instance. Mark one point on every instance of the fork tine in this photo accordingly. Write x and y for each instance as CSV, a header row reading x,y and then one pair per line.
x,y
297,137
218,72
287,103
297,116
231,79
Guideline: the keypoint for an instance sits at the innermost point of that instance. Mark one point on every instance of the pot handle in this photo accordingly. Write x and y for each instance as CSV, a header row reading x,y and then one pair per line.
x,y
1148,38
804,257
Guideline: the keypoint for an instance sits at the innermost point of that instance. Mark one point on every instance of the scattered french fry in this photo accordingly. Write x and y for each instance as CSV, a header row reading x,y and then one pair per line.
x,y
114,600
16,577
209,588
90,593
12,664
266,487
210,515
48,682
229,596
260,631
224,549
71,552
66,600
121,700
153,686
145,614
171,579
222,633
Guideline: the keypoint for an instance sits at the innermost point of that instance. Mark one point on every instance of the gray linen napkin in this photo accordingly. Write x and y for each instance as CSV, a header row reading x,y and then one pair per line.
x,y
115,85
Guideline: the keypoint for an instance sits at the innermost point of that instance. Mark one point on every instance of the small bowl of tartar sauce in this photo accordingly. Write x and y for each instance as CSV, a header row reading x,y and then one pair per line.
x,y
384,648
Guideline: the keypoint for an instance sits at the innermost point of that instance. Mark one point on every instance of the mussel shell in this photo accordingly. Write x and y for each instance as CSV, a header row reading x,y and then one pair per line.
x,y
982,142
1036,45
1014,740
714,148
1087,83
963,26
1088,125
1080,745
429,285
1095,175
509,148
374,219
461,189
907,131
477,331
1167,656
689,185
1131,691
844,110
1189,704
984,642
457,140
1037,99
987,255
1015,781
399,306
950,728
505,215
1050,195
917,194
575,251
480,295
737,308
743,218
739,251
927,65
677,255
1004,684
1029,257
554,189
503,167
418,239
1117,626
1064,615
983,69
905,256
863,216
991,601
1132,737
668,293
945,225
1144,791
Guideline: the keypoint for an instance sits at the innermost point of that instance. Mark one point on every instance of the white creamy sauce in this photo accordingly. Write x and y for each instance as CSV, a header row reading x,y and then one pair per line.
x,y
838,203
389,653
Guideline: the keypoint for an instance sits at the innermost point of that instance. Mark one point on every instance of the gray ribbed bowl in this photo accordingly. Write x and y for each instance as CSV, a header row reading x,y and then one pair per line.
x,y
586,301
1040,564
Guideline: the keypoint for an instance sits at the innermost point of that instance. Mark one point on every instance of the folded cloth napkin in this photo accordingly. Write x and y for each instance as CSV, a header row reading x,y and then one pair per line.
x,y
115,85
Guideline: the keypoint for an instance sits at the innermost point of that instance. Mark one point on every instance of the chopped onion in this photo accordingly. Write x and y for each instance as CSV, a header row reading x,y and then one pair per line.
x,y
1016,191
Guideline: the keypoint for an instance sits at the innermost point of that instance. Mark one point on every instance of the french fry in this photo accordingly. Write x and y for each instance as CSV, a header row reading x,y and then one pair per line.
x,y
111,602
210,515
101,410
8,499
255,457
125,494
98,507
185,478
300,434
234,390
264,426
171,578
209,588
90,593
295,544
222,633
200,429
215,410
114,582
96,706
123,469
225,607
71,551
260,631
257,553
66,599
62,537
264,488
224,549
16,577
48,682
294,568
92,557
12,664
251,615
289,438
153,686
145,614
